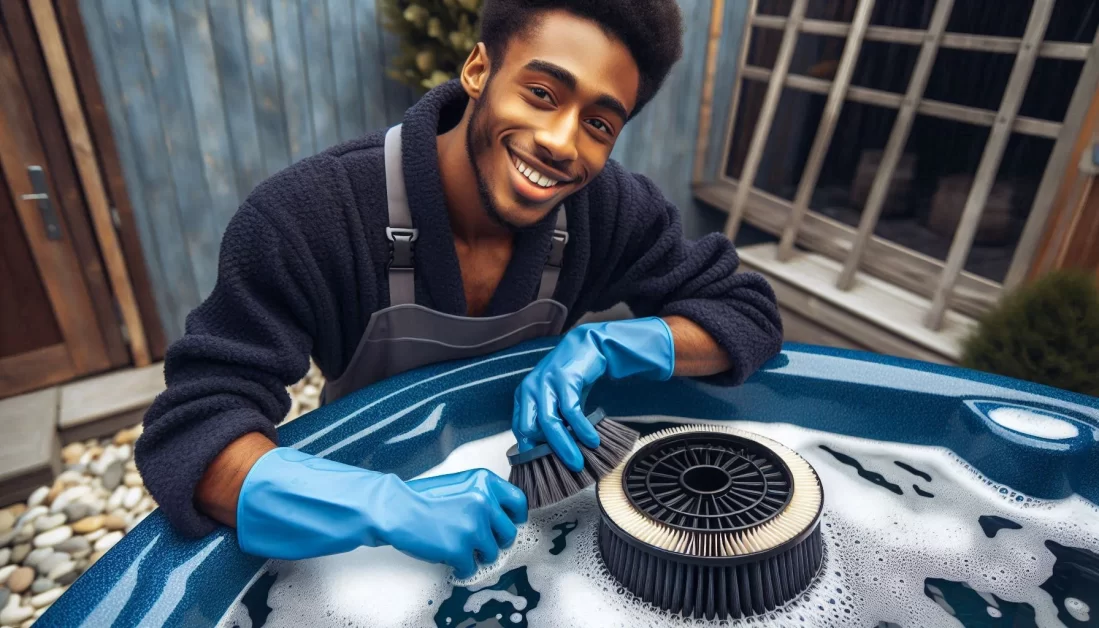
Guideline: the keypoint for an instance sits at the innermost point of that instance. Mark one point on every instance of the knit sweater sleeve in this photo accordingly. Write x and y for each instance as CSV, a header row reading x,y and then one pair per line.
x,y
657,272
227,376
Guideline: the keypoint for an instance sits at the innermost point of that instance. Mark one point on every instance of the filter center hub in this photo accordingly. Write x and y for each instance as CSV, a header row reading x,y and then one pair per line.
x,y
711,483
705,479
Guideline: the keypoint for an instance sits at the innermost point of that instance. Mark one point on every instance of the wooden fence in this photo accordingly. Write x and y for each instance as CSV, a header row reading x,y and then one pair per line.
x,y
207,98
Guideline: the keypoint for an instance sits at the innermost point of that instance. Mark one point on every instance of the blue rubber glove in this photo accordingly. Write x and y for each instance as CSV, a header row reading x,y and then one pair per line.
x,y
294,505
553,392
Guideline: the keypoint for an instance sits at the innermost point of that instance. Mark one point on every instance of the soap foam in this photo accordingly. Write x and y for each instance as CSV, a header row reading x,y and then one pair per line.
x,y
1033,423
879,549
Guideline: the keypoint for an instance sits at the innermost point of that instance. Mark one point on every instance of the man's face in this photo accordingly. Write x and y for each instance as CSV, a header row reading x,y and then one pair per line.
x,y
546,122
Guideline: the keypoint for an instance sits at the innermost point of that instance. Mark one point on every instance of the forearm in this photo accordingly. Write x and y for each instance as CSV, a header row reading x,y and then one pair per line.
x,y
219,489
697,353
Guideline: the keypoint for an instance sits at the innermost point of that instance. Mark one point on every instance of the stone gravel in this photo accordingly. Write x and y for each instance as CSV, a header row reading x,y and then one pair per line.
x,y
62,529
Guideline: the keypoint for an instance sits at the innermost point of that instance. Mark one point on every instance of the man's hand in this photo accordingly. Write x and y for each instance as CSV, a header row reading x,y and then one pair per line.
x,y
294,505
552,394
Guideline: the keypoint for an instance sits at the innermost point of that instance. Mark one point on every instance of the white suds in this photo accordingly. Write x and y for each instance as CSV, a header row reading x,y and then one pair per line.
x,y
880,547
1033,423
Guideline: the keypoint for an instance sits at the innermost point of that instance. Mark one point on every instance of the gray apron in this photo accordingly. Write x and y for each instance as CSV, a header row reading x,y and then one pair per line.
x,y
406,336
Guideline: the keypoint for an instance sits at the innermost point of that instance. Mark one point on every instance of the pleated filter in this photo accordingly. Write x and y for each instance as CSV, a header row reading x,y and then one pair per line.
x,y
711,522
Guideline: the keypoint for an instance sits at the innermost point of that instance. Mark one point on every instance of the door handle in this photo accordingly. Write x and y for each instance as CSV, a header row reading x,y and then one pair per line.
x,y
42,197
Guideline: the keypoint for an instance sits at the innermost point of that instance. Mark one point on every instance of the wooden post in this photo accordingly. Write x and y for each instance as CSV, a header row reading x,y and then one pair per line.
x,y
45,21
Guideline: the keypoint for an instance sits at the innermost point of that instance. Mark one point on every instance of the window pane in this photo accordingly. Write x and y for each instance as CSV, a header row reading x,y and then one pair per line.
x,y
885,66
763,49
831,10
787,147
906,14
817,55
1050,89
774,7
981,17
1074,21
970,78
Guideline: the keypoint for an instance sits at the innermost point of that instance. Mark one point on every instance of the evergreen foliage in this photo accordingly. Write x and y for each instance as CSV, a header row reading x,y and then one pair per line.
x,y
1045,332
436,37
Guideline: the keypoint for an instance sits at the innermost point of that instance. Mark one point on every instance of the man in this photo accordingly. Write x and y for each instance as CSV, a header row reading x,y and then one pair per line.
x,y
491,215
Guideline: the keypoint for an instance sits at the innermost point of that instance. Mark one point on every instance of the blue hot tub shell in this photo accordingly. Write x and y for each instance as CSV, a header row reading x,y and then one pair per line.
x,y
154,577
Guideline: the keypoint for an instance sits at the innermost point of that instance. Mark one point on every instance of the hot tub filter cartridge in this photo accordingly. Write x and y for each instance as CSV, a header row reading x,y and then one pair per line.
x,y
711,522
546,480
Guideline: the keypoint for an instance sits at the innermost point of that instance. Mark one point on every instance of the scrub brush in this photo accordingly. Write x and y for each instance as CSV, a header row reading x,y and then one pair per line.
x,y
546,480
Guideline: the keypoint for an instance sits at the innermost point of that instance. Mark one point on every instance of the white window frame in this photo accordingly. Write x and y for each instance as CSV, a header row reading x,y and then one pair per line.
x,y
945,284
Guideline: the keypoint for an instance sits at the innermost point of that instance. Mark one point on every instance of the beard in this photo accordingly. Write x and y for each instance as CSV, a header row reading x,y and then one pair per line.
x,y
478,143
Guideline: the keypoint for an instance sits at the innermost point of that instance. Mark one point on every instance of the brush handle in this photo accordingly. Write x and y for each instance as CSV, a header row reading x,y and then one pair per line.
x,y
515,457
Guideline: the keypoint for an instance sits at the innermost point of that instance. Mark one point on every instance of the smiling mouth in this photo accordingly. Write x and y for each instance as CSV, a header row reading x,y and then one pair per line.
x,y
536,177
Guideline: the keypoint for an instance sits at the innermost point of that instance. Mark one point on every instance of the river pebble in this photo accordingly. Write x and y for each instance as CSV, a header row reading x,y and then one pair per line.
x,y
132,497
7,520
20,552
51,562
95,536
4,595
5,556
61,570
4,573
14,614
37,556
108,541
47,598
53,537
49,522
20,580
41,585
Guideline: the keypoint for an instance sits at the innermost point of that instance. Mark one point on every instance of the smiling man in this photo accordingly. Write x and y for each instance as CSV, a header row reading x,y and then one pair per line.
x,y
491,215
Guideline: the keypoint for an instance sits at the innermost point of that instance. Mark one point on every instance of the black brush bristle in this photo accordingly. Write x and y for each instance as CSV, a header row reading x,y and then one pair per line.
x,y
546,480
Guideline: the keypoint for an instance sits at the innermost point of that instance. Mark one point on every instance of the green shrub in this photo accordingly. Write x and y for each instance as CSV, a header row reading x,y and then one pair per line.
x,y
1046,332
436,37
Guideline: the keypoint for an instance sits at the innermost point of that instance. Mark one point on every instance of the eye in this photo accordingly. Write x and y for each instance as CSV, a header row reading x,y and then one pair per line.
x,y
599,124
541,93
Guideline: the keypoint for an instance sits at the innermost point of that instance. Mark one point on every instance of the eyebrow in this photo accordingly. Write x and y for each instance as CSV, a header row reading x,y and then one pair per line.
x,y
569,80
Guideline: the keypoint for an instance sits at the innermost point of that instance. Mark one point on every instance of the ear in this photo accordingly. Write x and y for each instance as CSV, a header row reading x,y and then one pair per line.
x,y
476,70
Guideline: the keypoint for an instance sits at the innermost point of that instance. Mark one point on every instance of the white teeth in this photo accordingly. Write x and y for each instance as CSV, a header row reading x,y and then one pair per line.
x,y
535,177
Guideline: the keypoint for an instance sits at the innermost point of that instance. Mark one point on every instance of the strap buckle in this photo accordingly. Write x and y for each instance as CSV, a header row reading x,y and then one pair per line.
x,y
400,245
557,247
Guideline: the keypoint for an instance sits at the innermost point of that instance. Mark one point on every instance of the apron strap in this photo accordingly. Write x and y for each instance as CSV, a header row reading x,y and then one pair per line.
x,y
556,257
400,232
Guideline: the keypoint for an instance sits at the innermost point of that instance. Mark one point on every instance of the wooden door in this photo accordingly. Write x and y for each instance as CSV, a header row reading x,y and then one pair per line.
x,y
49,330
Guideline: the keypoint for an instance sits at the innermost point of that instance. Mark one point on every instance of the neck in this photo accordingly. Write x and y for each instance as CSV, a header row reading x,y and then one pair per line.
x,y
469,220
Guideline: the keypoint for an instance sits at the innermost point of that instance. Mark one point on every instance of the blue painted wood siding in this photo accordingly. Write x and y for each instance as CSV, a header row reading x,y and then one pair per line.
x,y
209,97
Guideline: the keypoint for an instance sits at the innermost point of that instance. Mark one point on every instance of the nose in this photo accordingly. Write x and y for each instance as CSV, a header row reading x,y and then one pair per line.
x,y
558,137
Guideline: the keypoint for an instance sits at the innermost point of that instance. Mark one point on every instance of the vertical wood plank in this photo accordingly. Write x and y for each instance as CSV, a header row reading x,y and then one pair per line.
x,y
398,96
294,77
142,116
55,259
234,71
157,20
373,80
206,94
84,154
345,65
60,173
318,60
77,28
265,86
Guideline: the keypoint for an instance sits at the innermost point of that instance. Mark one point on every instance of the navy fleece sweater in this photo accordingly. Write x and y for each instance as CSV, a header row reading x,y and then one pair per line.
x,y
303,266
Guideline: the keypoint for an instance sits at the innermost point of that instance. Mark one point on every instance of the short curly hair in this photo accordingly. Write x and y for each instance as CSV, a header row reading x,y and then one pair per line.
x,y
652,30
